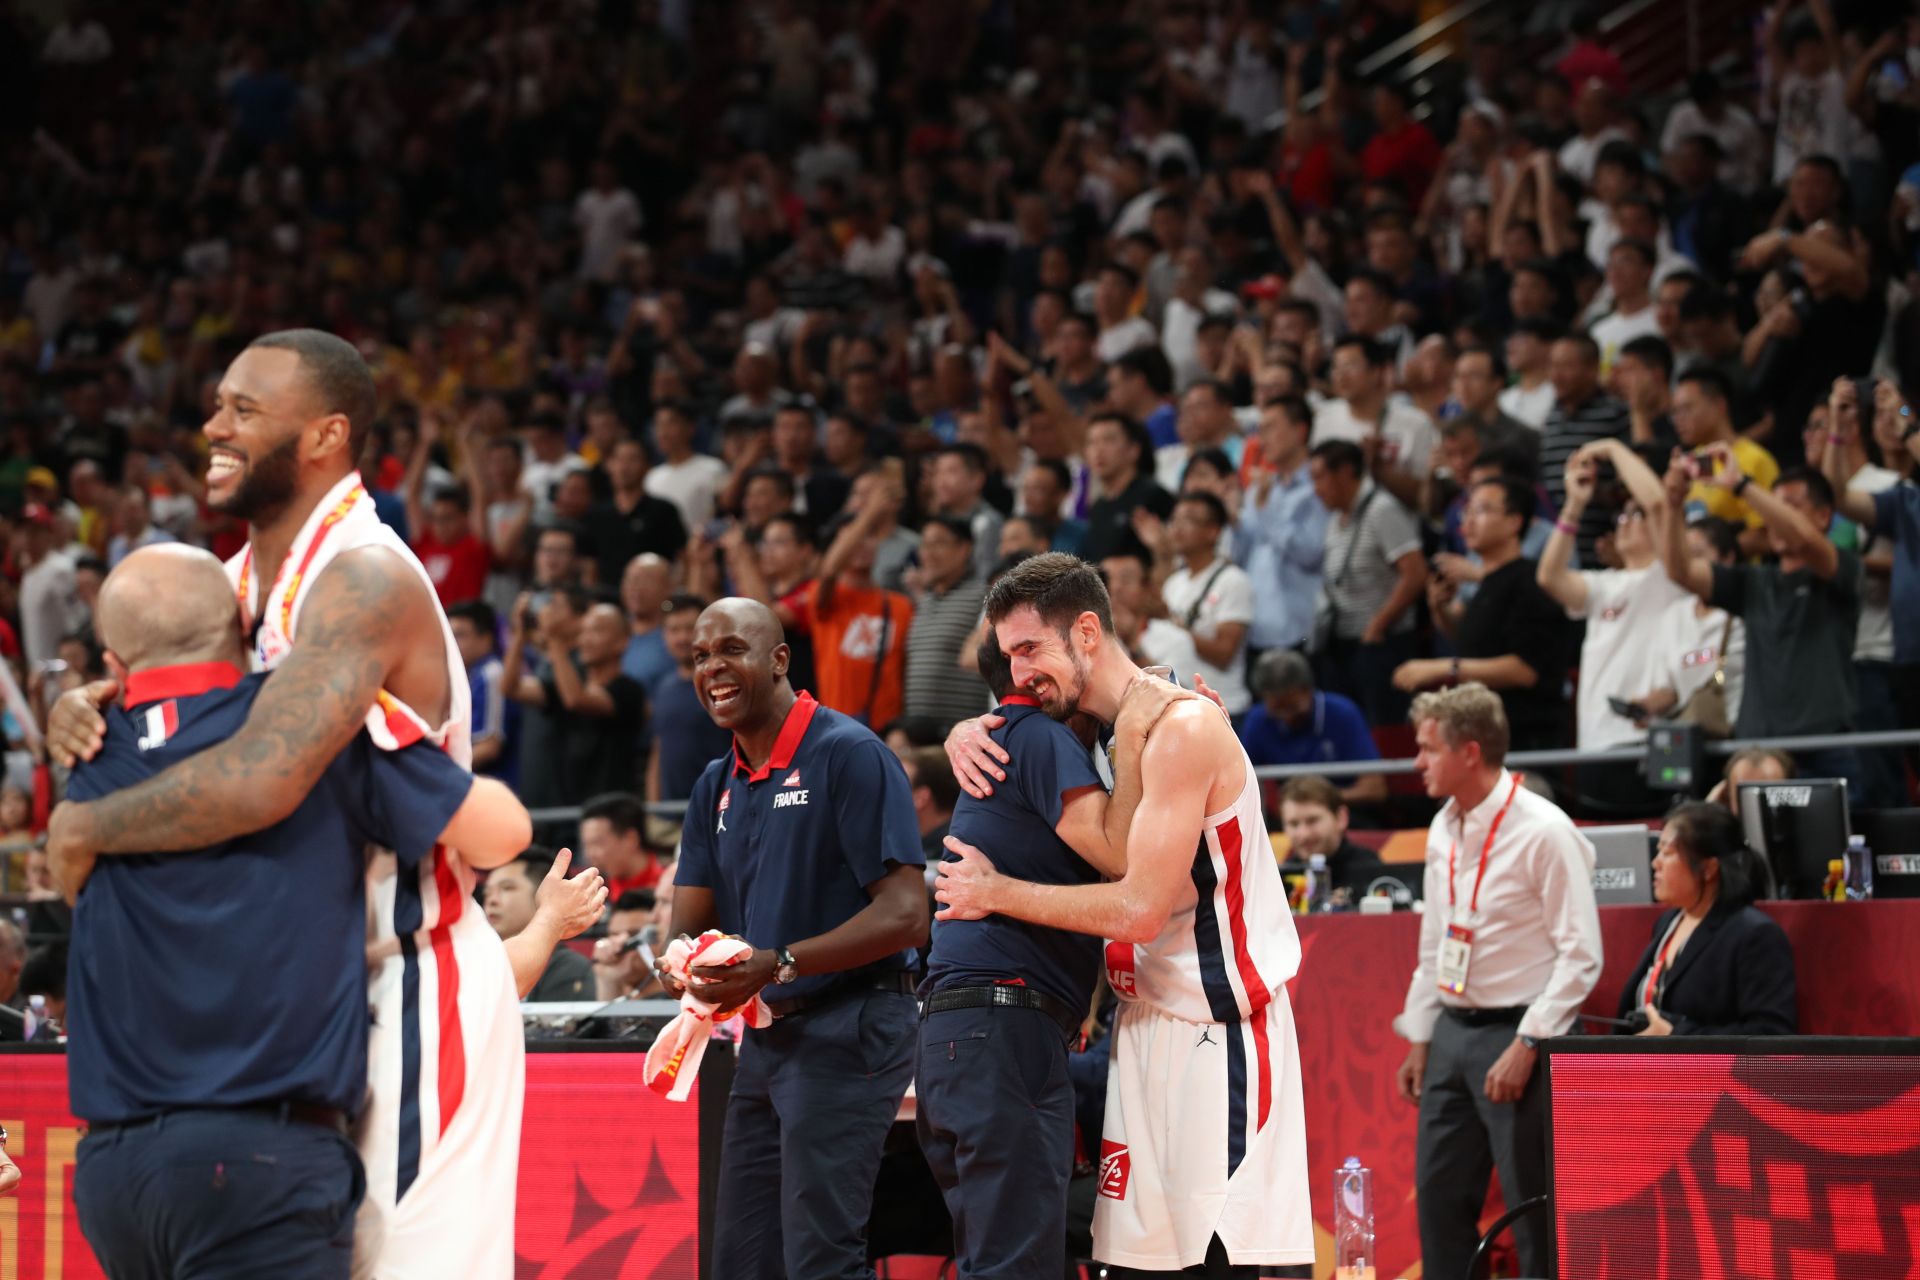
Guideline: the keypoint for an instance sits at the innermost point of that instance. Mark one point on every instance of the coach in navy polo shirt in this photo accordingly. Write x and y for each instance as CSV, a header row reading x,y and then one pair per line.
x,y
1003,997
217,1000
802,840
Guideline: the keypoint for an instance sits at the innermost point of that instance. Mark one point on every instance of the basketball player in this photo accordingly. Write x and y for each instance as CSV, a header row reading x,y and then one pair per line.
x,y
348,620
1203,1159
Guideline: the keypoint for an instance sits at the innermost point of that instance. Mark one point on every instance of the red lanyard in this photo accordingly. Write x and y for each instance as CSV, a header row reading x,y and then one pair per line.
x,y
1651,994
1453,886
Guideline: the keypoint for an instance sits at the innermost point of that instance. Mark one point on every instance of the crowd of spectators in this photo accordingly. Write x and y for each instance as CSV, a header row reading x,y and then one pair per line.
x,y
1595,392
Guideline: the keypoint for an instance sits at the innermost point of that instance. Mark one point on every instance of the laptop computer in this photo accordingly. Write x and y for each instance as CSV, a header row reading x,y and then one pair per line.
x,y
1622,865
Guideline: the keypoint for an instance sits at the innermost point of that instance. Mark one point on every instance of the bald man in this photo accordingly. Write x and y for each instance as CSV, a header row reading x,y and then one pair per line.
x,y
803,842
216,998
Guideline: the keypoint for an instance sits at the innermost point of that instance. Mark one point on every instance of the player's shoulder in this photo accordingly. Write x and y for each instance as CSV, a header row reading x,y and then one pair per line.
x,y
372,579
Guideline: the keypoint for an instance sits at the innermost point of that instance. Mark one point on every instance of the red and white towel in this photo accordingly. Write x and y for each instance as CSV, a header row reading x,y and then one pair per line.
x,y
673,1063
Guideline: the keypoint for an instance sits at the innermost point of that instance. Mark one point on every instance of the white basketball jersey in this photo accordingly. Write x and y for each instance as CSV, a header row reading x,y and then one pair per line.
x,y
1230,942
440,1139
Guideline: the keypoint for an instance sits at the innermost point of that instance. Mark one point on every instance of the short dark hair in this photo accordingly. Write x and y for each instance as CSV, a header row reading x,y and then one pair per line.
x,y
1221,393
1622,154
934,771
1584,341
781,479
994,666
1378,281
1539,327
1517,496
1638,248
634,900
803,530
685,602
1137,434
1651,350
1126,272
1150,363
1494,359
622,810
1216,510
1340,455
338,374
1818,487
959,526
1059,587
1720,534
1306,308
457,495
969,453
1374,353
559,525
536,861
1711,382
1061,473
1298,411
479,613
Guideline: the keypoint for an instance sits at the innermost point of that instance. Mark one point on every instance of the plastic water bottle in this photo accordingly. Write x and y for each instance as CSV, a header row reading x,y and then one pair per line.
x,y
1319,885
1353,1221
1859,869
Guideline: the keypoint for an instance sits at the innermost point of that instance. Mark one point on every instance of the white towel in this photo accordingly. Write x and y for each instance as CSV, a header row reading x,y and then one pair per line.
x,y
673,1063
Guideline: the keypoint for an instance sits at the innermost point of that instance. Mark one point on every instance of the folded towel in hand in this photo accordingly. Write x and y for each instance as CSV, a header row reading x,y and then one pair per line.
x,y
673,1063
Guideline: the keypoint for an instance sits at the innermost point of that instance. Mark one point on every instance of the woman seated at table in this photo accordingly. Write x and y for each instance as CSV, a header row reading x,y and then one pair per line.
x,y
1716,966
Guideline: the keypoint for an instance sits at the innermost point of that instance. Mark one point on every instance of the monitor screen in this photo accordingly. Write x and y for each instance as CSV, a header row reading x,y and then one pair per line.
x,y
1799,827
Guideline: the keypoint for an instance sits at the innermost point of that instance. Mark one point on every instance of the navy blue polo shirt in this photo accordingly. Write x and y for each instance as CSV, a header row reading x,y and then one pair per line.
x,y
235,975
790,848
1014,827
1337,730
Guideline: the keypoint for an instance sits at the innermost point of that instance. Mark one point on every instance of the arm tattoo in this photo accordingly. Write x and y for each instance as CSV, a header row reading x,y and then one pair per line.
x,y
354,625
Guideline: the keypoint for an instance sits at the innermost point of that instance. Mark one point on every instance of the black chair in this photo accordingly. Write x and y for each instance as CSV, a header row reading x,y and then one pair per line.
x,y
1504,1221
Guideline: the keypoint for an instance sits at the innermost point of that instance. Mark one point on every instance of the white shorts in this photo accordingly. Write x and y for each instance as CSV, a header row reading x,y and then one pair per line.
x,y
454,1218
1205,1135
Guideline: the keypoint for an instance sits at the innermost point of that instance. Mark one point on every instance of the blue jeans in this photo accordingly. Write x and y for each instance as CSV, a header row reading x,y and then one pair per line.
x,y
207,1195
813,1098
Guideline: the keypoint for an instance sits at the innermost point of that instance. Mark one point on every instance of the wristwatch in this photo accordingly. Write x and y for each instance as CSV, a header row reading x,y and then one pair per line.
x,y
1532,1042
1740,485
785,967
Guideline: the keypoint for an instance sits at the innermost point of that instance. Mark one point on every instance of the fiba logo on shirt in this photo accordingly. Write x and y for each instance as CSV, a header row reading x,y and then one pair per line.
x,y
163,721
785,799
726,798
1116,1168
1120,968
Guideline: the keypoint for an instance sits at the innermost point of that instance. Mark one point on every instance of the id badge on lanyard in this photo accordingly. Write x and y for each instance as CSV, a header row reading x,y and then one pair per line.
x,y
1456,953
1456,948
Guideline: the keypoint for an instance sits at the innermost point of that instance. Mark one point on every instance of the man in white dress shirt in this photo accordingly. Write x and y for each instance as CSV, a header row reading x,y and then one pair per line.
x,y
1509,949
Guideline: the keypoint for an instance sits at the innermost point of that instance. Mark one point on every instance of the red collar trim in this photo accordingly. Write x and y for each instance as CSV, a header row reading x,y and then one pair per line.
x,y
799,716
156,684
1019,700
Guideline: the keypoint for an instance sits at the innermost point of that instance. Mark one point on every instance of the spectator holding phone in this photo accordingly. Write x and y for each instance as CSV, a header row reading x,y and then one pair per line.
x,y
1801,611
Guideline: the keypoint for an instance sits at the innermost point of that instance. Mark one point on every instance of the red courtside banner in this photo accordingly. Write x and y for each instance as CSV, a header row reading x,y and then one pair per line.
x,y
609,1174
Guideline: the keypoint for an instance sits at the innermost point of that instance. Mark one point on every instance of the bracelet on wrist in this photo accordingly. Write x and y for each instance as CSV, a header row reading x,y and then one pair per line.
x,y
1569,527
1740,485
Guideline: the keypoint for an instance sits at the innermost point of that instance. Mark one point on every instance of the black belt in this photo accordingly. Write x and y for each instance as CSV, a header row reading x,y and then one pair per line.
x,y
1005,995
1485,1017
894,981
312,1113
